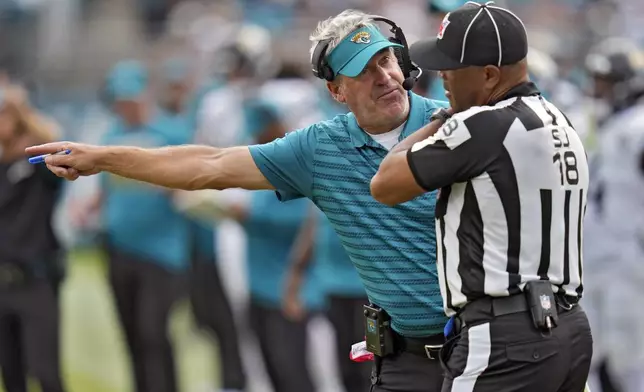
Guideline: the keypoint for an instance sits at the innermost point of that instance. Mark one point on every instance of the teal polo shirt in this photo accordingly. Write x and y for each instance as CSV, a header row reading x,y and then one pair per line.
x,y
393,248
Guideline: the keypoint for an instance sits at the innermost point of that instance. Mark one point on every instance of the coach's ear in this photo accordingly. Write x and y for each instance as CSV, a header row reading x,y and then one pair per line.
x,y
336,89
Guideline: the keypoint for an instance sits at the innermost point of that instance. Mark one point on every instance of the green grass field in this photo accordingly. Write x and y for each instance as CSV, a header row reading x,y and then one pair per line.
x,y
94,356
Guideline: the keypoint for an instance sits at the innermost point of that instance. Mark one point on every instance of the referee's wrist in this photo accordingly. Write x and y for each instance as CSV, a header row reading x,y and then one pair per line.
x,y
440,114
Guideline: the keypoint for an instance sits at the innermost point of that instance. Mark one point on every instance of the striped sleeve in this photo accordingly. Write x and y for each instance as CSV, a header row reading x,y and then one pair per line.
x,y
287,163
457,152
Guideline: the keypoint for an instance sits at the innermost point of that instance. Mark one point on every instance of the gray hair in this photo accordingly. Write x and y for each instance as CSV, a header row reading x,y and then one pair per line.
x,y
338,27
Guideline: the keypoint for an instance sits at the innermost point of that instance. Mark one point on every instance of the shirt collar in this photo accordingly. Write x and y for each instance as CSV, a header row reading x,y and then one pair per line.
x,y
524,89
415,121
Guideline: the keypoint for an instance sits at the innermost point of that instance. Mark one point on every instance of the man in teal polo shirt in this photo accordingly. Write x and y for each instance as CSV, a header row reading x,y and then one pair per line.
x,y
332,163
146,239
319,249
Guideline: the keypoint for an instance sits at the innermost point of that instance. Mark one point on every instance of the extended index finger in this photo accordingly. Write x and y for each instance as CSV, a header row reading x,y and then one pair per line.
x,y
48,148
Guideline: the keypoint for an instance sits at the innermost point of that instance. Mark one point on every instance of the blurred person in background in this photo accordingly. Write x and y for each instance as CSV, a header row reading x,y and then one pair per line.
x,y
19,37
545,72
318,246
274,15
271,229
31,261
440,8
318,249
218,117
283,340
176,86
154,15
292,95
210,305
147,240
237,70
431,82
542,69
614,231
424,83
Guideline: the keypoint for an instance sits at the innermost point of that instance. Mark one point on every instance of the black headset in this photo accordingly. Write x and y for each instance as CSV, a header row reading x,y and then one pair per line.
x,y
411,72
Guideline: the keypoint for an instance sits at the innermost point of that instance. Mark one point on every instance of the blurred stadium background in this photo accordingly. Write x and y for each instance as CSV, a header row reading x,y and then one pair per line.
x,y
60,50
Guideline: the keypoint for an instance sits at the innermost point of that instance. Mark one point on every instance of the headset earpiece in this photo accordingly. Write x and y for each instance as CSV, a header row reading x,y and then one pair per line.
x,y
399,57
327,72
319,65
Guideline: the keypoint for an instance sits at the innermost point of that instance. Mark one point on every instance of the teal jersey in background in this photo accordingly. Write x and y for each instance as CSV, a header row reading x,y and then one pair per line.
x,y
271,229
139,218
176,127
179,128
339,276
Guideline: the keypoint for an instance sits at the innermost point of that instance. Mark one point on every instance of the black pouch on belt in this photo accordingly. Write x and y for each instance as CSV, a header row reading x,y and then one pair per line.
x,y
378,333
541,301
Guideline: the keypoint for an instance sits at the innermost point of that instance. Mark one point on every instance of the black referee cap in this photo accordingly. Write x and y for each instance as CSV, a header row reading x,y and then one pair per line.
x,y
473,35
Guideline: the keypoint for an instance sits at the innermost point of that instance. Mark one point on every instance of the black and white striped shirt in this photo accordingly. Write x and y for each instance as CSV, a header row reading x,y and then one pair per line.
x,y
513,180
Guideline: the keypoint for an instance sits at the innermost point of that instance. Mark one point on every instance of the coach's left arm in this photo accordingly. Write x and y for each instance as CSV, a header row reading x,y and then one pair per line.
x,y
437,155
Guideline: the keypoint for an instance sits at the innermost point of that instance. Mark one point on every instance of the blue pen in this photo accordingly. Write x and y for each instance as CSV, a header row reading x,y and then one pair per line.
x,y
41,158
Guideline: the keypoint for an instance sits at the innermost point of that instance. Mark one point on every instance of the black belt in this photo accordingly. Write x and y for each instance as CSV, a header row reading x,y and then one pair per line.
x,y
485,308
428,347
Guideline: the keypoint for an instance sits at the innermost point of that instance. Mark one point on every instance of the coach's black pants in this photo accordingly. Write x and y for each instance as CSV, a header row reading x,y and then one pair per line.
x,y
345,314
29,336
144,293
212,311
507,353
409,372
284,348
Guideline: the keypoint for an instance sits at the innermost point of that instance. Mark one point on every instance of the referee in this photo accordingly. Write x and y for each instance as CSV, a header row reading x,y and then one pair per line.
x,y
513,179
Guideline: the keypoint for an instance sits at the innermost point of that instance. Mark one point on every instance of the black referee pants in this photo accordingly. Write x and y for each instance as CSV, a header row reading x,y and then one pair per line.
x,y
144,293
213,312
507,353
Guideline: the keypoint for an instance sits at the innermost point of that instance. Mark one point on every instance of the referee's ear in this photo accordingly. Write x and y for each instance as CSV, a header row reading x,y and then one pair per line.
x,y
492,76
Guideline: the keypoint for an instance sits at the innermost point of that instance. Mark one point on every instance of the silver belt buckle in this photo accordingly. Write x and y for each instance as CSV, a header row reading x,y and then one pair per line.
x,y
429,348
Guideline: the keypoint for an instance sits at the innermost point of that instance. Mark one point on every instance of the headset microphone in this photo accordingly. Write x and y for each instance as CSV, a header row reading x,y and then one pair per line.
x,y
409,83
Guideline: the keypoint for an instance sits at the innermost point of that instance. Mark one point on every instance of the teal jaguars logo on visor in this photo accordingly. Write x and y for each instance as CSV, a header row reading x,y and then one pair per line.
x,y
354,52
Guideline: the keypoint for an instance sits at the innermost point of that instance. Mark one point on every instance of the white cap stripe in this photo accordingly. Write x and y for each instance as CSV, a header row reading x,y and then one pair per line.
x,y
498,36
467,32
